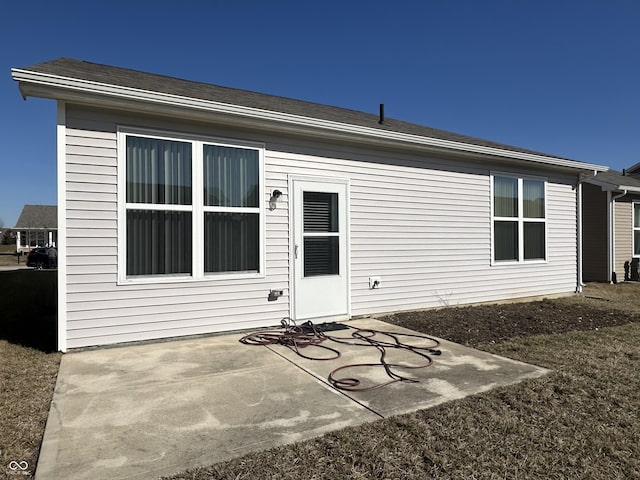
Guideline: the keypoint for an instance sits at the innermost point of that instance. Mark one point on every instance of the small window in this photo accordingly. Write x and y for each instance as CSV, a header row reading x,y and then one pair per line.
x,y
519,219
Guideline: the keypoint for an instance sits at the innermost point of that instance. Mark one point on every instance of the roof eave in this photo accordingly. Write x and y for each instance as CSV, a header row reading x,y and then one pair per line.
x,y
45,85
629,188
612,187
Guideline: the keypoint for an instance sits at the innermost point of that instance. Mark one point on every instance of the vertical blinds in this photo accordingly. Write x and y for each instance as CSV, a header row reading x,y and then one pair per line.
x,y
158,171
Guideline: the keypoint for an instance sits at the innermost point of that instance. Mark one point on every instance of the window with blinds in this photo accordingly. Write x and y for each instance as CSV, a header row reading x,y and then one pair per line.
x,y
321,251
192,207
519,218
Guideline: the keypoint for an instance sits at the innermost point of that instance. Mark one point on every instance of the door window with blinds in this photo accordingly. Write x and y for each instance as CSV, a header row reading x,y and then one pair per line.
x,y
192,208
321,249
518,218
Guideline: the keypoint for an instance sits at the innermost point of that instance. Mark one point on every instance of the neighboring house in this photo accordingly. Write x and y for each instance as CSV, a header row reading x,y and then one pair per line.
x,y
37,226
611,226
189,208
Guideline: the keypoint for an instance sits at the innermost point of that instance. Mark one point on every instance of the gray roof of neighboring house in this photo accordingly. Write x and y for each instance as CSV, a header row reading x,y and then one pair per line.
x,y
38,216
634,169
615,180
71,68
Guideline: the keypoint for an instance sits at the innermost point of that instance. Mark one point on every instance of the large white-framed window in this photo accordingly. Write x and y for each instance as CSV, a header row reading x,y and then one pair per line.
x,y
518,219
190,207
636,229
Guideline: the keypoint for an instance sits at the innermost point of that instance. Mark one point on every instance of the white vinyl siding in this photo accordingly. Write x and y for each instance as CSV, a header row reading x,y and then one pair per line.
x,y
99,310
426,232
423,224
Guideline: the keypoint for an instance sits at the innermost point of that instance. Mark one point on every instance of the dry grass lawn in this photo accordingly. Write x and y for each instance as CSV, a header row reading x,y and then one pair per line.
x,y
8,257
28,367
27,378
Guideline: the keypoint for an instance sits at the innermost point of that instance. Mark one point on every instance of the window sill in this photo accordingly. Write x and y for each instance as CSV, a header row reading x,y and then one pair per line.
x,y
212,277
506,263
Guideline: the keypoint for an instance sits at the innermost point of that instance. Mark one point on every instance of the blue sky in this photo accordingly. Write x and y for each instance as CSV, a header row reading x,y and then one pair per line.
x,y
560,77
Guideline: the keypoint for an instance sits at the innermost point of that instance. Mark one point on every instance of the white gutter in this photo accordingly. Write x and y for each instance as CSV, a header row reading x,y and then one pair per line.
x,y
580,283
62,225
160,98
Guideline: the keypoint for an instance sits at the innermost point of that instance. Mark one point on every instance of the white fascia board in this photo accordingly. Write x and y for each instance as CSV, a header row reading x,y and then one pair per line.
x,y
629,188
160,98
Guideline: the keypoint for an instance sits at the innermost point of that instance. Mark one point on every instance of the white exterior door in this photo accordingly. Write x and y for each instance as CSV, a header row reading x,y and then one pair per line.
x,y
319,226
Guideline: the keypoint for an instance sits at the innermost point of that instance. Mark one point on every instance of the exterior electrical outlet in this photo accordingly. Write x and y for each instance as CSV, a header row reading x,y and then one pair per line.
x,y
275,295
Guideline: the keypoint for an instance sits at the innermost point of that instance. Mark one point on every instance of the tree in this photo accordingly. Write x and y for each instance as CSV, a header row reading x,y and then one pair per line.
x,y
8,236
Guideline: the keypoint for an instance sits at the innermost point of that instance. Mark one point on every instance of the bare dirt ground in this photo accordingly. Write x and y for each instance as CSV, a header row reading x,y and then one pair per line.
x,y
600,305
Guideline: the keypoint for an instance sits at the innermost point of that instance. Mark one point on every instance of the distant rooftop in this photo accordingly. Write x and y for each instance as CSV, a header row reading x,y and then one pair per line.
x,y
38,216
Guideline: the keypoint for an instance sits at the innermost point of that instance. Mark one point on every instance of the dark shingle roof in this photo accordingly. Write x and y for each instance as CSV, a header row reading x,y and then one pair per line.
x,y
634,169
67,67
38,216
617,180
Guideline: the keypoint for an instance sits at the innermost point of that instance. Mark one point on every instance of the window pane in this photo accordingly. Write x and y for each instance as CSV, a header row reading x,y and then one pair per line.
x,y
533,198
505,196
320,212
505,240
158,171
231,176
158,242
636,242
534,240
231,242
636,215
321,255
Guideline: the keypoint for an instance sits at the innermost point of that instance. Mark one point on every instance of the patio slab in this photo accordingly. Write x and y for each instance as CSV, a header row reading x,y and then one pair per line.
x,y
142,411
457,372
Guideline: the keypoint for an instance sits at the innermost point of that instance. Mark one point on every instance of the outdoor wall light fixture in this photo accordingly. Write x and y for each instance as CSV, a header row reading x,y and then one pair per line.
x,y
275,195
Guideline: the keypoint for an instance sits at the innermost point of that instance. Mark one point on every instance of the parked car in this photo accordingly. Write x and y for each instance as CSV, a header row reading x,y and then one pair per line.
x,y
38,258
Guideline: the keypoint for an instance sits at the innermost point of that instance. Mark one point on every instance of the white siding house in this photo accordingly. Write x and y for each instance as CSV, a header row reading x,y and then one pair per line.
x,y
259,208
37,226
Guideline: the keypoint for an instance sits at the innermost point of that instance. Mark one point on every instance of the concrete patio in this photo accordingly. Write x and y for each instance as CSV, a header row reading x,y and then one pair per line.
x,y
142,411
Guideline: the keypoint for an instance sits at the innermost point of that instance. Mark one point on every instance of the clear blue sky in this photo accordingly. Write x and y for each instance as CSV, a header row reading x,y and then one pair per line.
x,y
560,77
